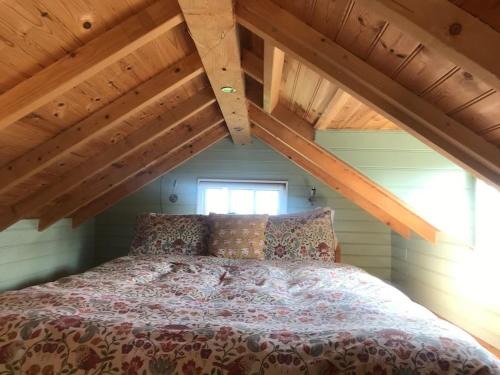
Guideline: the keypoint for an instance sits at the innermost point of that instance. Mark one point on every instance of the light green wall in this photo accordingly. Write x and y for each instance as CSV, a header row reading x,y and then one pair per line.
x,y
365,242
438,190
447,278
443,277
30,257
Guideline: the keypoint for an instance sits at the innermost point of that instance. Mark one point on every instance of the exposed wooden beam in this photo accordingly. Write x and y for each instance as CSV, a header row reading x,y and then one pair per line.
x,y
440,25
99,122
274,59
120,171
341,109
372,87
88,60
293,121
145,176
343,172
338,100
280,112
147,133
287,151
212,26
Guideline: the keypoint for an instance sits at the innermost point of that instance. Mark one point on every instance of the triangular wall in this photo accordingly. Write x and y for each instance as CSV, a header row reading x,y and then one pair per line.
x,y
434,187
365,241
393,159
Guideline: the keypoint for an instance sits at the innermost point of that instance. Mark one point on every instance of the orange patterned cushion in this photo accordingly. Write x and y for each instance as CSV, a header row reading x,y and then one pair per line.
x,y
237,236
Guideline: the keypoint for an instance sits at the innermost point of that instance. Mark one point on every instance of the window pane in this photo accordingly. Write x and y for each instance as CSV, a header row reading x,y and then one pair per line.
x,y
241,197
487,216
241,202
267,202
216,201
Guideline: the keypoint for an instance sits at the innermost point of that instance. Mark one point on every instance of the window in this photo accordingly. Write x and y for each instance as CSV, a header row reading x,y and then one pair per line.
x,y
487,218
478,276
241,197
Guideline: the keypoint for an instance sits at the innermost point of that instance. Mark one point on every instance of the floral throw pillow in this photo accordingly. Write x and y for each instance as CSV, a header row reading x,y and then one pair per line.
x,y
170,234
307,235
237,236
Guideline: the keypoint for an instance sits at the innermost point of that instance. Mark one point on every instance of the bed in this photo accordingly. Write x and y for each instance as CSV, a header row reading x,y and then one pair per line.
x,y
160,313
204,315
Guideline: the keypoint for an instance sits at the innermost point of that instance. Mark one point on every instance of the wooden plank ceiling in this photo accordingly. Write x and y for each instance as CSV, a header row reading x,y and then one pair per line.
x,y
99,98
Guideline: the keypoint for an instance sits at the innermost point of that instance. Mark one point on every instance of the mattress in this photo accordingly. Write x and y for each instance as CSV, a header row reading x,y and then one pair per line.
x,y
205,315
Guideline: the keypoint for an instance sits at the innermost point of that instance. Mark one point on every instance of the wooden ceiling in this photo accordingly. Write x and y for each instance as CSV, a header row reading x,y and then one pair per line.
x,y
100,97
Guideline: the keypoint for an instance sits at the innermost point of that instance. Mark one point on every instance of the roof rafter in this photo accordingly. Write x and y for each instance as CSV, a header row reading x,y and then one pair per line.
x,y
295,122
123,169
340,171
161,166
275,142
250,65
99,122
358,78
462,38
88,60
212,26
337,101
147,133
274,59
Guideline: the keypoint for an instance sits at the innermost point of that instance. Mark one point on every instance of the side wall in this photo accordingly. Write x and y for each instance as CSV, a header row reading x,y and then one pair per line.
x,y
435,188
30,257
365,242
450,280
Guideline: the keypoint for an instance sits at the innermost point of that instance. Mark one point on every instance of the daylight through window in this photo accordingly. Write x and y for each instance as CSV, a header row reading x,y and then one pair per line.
x,y
242,197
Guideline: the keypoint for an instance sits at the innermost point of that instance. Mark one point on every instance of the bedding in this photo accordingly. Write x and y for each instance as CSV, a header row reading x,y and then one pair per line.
x,y
306,235
173,314
170,234
237,236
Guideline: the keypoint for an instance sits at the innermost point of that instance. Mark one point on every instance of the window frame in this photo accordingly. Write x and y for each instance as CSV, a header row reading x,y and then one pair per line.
x,y
200,203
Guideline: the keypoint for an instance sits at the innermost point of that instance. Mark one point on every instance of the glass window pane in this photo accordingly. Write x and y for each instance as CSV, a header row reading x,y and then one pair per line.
x,y
241,197
487,216
216,201
267,202
241,202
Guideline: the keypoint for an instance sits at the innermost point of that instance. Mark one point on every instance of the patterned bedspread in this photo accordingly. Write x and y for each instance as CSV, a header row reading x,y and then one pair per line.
x,y
204,315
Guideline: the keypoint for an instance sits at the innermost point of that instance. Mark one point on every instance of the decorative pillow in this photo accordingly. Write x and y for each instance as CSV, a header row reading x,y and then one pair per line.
x,y
170,234
307,235
237,236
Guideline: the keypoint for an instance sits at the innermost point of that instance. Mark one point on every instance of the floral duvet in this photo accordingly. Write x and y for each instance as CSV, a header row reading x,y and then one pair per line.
x,y
205,315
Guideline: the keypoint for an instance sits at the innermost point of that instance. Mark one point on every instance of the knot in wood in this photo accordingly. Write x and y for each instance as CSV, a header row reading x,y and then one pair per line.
x,y
455,28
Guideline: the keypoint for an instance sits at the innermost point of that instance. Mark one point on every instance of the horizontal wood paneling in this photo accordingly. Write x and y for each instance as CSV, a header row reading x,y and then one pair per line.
x,y
30,257
442,278
365,241
412,171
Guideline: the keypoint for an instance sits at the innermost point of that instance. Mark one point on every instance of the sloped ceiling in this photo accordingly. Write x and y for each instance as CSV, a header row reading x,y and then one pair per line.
x,y
100,98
